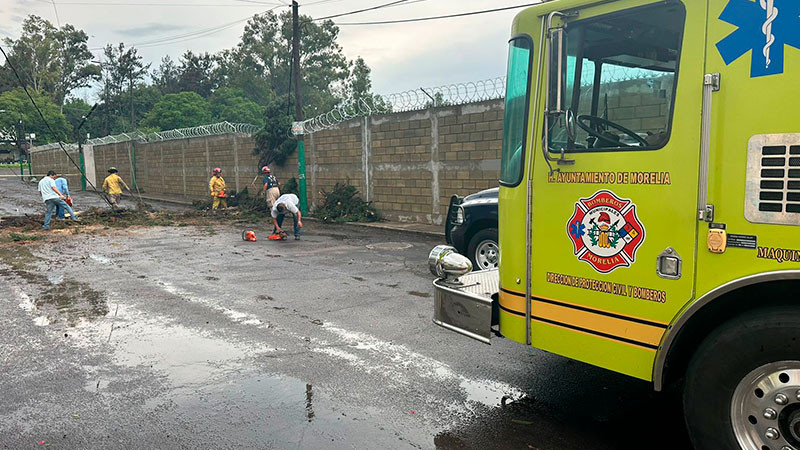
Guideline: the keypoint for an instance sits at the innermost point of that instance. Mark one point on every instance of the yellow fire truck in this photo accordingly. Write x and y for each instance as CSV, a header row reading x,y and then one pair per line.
x,y
649,206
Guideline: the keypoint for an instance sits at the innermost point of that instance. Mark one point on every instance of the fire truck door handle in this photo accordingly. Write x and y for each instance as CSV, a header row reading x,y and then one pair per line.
x,y
711,84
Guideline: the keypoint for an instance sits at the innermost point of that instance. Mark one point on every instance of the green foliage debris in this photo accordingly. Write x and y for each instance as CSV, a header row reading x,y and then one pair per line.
x,y
344,204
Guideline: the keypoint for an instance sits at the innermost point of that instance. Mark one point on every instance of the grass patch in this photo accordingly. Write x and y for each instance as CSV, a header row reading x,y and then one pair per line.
x,y
19,237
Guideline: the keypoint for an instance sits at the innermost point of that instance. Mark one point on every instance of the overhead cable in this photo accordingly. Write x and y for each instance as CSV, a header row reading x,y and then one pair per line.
x,y
447,16
188,36
225,5
362,10
47,124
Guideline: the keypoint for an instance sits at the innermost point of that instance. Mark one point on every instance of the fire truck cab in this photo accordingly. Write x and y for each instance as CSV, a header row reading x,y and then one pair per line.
x,y
649,206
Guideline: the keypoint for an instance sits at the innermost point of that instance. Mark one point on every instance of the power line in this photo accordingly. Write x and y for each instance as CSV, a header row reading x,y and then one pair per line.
x,y
320,2
224,5
47,124
58,21
362,10
421,19
254,1
188,36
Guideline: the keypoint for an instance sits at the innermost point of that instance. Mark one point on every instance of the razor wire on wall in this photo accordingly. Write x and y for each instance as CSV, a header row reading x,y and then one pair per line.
x,y
412,100
452,95
180,133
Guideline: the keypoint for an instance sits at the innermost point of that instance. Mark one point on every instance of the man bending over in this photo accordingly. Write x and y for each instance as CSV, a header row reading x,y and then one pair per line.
x,y
287,204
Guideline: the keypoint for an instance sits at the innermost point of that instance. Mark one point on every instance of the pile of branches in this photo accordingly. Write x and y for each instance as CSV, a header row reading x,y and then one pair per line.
x,y
344,204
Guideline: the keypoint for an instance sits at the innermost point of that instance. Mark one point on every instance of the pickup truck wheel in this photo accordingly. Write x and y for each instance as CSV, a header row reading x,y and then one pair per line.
x,y
742,387
483,250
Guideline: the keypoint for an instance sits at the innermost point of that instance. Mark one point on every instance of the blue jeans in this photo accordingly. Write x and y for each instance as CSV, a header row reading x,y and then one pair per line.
x,y
52,206
296,228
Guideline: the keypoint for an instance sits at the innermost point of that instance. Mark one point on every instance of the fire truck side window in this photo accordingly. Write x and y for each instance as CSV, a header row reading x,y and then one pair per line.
x,y
515,122
621,76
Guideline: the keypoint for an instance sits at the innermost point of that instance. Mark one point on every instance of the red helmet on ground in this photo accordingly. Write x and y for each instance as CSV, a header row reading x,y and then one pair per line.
x,y
216,170
265,169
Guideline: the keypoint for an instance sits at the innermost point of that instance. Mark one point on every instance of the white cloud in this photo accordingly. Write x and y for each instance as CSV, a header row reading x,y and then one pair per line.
x,y
402,56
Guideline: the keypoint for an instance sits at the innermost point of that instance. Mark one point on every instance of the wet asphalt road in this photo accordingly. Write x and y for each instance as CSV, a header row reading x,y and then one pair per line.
x,y
189,337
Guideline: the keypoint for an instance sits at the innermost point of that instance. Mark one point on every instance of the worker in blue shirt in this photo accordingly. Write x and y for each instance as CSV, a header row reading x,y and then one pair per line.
x,y
62,186
271,186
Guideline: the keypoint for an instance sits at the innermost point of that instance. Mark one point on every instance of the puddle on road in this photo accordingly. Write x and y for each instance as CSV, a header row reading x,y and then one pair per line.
x,y
275,411
185,356
58,300
73,302
215,382
540,424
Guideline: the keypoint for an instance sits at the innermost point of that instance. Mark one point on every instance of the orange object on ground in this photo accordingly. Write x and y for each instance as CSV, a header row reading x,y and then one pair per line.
x,y
249,236
277,236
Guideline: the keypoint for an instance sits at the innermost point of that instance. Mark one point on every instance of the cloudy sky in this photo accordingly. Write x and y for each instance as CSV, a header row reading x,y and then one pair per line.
x,y
402,56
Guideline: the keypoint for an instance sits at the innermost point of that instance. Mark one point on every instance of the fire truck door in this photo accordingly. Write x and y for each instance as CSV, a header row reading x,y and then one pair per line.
x,y
614,222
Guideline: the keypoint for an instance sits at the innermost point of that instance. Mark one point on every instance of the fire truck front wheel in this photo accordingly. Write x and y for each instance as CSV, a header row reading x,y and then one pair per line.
x,y
742,388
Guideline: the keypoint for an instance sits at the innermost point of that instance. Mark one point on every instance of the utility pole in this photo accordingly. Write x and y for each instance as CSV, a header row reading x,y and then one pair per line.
x,y
298,109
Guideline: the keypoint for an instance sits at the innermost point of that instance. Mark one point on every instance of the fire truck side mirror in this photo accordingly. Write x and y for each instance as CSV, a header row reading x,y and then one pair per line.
x,y
557,79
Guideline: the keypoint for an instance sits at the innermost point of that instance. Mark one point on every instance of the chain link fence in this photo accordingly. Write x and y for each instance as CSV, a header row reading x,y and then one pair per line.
x,y
213,129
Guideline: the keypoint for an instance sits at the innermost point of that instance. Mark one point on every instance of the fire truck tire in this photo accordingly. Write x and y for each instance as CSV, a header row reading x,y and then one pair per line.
x,y
737,383
483,250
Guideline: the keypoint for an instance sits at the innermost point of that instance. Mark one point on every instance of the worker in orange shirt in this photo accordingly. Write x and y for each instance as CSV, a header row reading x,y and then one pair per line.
x,y
217,187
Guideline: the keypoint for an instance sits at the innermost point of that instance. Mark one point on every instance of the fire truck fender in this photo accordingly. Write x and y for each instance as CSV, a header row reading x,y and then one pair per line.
x,y
689,317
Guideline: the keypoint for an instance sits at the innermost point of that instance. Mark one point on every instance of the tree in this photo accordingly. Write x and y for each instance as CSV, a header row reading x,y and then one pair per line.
x,y
165,78
75,68
232,105
359,84
438,101
232,73
264,57
18,106
123,68
52,60
74,111
273,145
182,110
196,74
358,90
35,53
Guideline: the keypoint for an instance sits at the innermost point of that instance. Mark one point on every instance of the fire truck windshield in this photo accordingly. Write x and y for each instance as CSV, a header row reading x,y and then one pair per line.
x,y
515,122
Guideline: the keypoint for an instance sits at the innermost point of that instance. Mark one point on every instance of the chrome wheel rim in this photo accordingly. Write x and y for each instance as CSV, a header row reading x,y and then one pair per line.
x,y
487,254
765,408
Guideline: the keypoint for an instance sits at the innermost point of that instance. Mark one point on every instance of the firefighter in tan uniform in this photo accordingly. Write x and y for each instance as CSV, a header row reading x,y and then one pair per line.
x,y
217,187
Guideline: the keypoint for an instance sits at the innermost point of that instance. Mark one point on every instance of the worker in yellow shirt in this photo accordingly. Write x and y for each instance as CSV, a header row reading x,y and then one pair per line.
x,y
113,186
217,186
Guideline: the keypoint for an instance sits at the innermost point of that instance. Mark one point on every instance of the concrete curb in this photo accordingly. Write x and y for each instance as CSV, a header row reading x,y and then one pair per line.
x,y
414,228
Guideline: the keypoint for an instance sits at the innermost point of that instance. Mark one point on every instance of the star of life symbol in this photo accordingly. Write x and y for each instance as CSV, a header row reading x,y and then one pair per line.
x,y
605,231
766,27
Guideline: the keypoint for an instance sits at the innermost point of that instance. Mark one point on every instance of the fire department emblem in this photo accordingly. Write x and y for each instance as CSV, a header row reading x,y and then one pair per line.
x,y
605,231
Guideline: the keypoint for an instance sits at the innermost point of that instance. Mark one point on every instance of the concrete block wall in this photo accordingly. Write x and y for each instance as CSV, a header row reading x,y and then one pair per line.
x,y
408,164
56,160
175,169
